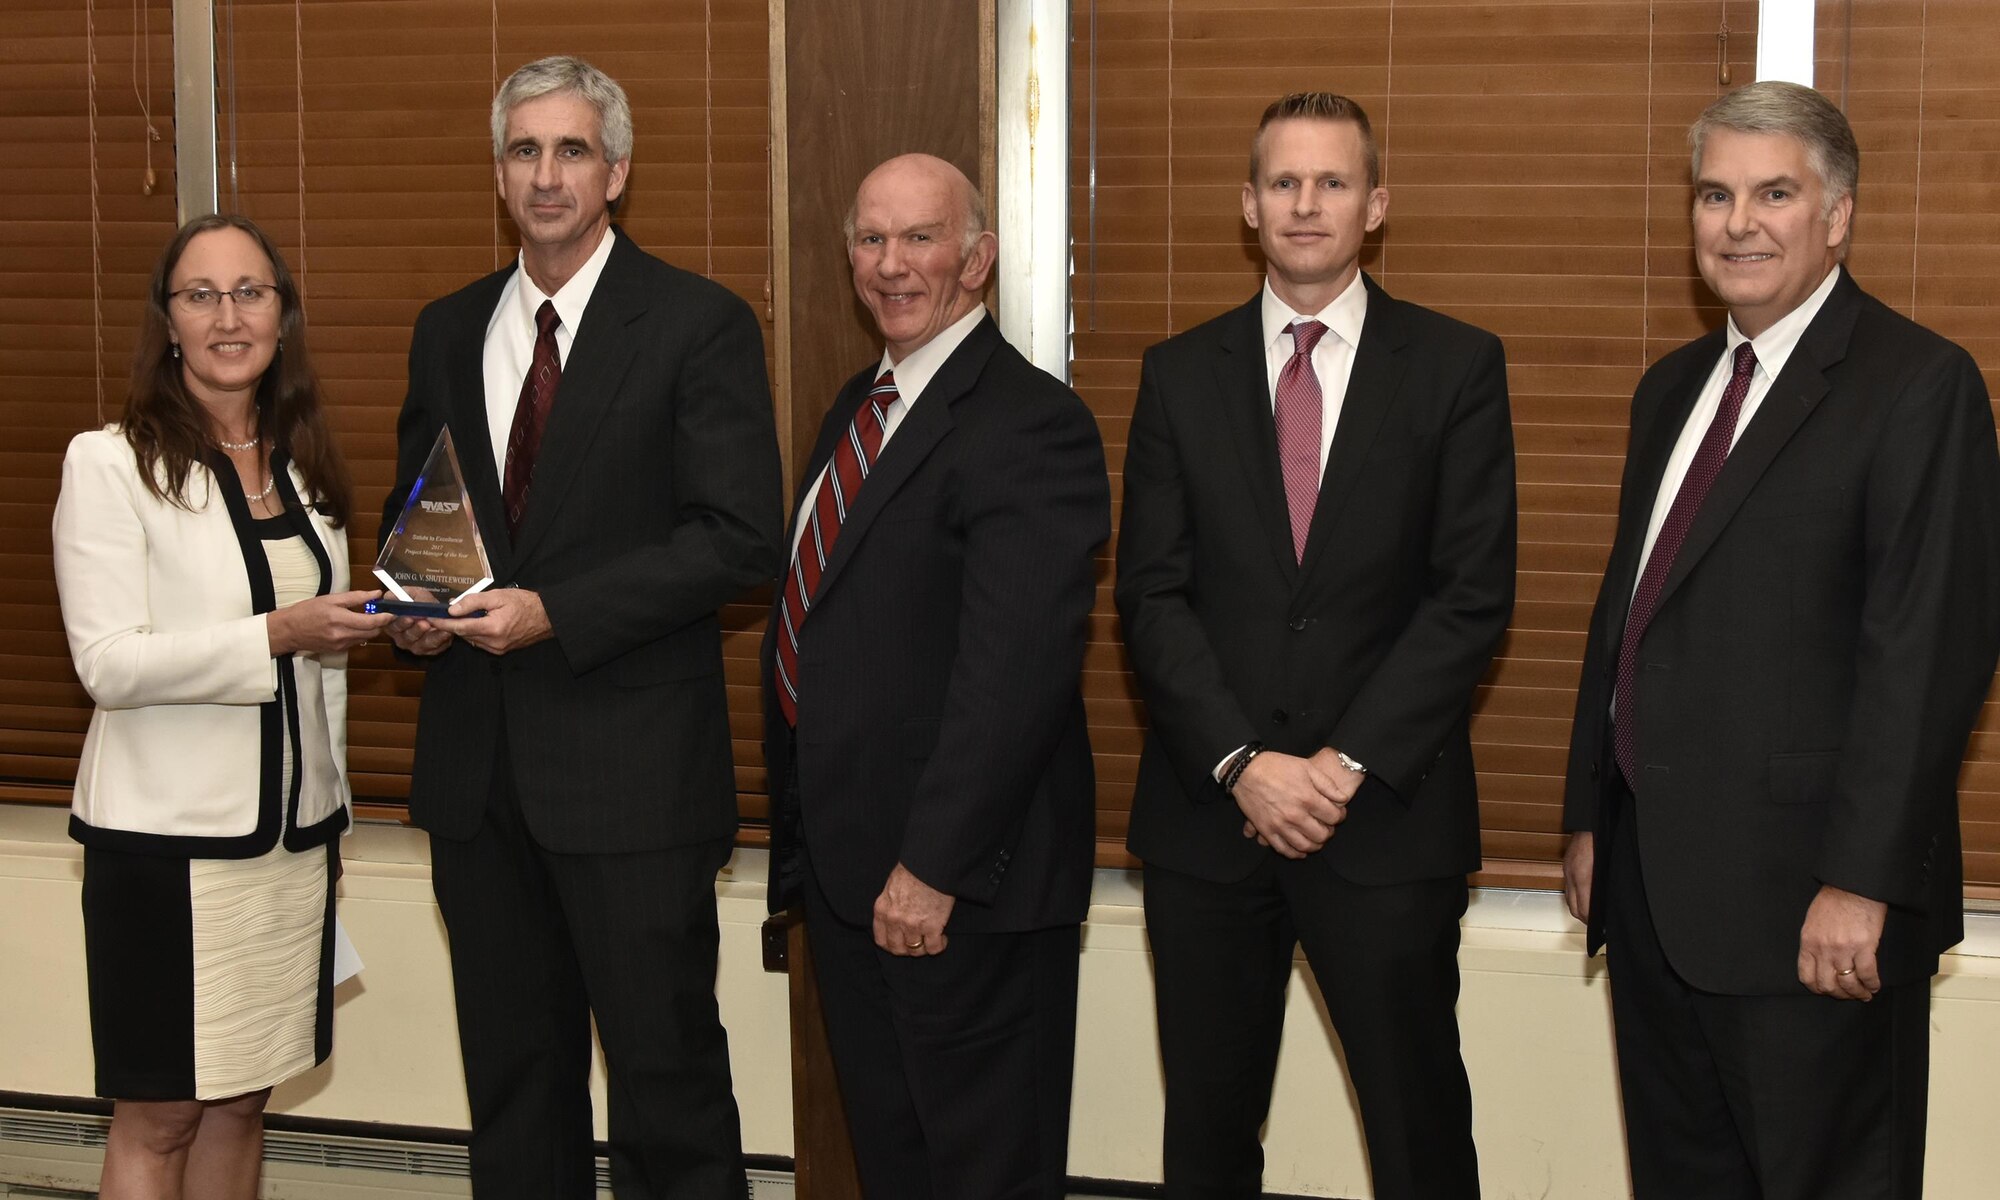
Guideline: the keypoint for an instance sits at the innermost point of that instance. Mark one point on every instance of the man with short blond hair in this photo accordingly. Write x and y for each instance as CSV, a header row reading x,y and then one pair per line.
x,y
1796,628
1316,563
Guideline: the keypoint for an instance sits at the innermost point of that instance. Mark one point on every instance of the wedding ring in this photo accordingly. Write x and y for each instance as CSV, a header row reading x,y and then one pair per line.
x,y
1848,971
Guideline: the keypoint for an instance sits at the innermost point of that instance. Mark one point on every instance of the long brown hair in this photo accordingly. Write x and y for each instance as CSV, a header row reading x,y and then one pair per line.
x,y
168,428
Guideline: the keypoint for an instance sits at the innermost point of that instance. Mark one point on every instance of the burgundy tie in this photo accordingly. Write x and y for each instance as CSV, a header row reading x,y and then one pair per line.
x,y
1701,475
531,416
839,483
1298,412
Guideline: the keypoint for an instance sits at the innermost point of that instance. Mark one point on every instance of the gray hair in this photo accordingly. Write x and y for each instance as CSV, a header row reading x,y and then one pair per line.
x,y
975,219
566,73
1796,111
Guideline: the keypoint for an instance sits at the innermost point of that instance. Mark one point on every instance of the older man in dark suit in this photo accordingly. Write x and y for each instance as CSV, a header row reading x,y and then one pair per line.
x,y
1316,562
573,760
924,723
1798,623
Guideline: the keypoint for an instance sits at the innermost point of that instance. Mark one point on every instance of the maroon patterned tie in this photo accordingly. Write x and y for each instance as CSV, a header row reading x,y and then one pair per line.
x,y
839,483
1298,412
531,416
1701,473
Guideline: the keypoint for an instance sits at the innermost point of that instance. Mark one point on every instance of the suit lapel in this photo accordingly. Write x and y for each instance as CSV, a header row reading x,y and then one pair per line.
x,y
597,361
1242,381
471,433
1371,393
1797,390
922,428
1649,451
831,428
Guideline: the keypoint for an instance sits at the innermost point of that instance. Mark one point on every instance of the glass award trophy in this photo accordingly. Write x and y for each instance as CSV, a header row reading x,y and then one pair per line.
x,y
435,555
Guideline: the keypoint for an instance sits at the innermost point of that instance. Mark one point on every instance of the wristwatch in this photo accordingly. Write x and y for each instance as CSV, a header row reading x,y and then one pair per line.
x,y
1349,763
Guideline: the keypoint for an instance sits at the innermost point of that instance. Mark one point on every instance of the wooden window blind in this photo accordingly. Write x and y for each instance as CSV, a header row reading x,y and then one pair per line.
x,y
1534,149
361,142
1916,81
1536,156
79,244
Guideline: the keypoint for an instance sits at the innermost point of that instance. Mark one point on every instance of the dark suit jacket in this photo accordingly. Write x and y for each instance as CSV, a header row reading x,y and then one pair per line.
x,y
1818,655
1373,644
656,498
940,718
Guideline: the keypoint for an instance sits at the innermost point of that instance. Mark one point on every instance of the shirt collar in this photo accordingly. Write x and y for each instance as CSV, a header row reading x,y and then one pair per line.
x,y
1343,316
1774,346
572,297
914,373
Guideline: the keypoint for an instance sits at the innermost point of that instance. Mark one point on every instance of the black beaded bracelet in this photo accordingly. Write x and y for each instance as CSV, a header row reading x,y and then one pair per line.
x,y
1235,772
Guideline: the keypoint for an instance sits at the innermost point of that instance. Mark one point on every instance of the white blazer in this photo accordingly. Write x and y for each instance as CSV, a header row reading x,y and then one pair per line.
x,y
164,611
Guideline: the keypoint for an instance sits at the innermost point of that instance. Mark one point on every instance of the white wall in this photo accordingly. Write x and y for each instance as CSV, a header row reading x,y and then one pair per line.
x,y
1534,1013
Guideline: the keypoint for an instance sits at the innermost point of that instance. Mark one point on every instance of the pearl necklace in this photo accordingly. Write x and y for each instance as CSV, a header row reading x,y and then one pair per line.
x,y
252,444
270,483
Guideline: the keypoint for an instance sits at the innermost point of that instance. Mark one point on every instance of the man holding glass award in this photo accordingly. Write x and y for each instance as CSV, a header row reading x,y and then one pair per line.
x,y
592,429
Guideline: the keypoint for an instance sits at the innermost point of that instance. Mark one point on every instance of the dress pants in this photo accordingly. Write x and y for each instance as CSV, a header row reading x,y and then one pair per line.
x,y
1793,1097
541,942
1386,960
955,1067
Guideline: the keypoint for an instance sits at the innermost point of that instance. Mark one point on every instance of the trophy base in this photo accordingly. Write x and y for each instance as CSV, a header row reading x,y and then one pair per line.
x,y
415,608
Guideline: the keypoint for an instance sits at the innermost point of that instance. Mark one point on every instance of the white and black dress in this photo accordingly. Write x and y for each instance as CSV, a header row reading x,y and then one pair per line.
x,y
211,790
211,977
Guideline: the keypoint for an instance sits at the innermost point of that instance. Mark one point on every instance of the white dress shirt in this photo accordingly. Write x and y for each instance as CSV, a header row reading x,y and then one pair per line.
x,y
1332,358
1773,347
913,375
510,339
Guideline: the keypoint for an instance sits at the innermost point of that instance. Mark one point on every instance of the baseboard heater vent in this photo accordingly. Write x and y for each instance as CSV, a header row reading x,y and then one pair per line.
x,y
394,1158
51,1129
65,1151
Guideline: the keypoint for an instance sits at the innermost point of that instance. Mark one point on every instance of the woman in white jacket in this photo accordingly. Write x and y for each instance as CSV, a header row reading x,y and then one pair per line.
x,y
201,560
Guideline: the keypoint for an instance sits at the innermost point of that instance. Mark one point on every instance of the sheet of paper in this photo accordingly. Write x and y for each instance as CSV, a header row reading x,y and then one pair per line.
x,y
346,959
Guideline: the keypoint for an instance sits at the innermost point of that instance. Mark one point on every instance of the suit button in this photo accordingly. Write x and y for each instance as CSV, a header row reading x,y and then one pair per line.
x,y
1298,624
1278,716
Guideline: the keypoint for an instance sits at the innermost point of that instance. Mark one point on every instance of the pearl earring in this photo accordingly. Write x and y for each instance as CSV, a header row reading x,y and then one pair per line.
x,y
177,349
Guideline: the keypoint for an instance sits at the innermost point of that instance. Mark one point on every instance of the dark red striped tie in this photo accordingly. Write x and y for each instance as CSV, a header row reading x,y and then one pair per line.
x,y
1701,473
531,417
839,483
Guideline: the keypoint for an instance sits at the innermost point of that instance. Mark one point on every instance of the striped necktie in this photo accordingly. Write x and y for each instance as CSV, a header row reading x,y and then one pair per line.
x,y
839,483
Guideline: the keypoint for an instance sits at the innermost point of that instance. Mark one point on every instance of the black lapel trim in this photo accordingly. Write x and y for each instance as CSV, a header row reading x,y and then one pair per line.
x,y
294,512
333,823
